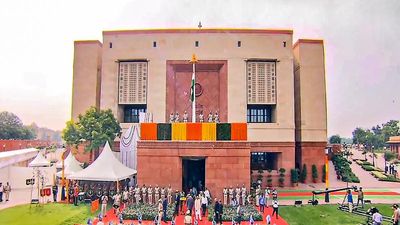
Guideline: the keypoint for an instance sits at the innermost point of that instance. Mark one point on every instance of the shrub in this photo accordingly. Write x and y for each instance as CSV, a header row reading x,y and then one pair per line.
x,y
367,163
390,179
368,168
294,176
269,178
314,171
378,174
343,169
323,173
229,212
281,176
148,212
303,174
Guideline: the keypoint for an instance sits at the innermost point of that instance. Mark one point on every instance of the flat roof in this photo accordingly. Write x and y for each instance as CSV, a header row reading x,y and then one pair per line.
x,y
202,30
12,153
308,41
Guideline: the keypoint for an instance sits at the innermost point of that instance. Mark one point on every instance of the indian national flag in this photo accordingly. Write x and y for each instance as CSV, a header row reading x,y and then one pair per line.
x,y
192,89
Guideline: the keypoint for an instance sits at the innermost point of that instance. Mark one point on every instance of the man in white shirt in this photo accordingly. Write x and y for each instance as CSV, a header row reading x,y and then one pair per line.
x,y
204,203
275,206
377,218
104,200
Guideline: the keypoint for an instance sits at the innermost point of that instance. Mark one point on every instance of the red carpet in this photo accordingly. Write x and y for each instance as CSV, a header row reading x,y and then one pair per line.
x,y
179,220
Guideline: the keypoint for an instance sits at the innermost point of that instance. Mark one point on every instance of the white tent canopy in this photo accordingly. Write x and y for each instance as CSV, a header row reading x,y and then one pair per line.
x,y
71,165
105,168
39,161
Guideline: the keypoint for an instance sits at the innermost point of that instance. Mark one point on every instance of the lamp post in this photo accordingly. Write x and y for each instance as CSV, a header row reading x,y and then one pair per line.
x,y
373,156
384,156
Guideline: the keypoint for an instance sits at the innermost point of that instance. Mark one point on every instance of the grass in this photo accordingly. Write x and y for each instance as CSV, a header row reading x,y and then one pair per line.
x,y
48,214
325,214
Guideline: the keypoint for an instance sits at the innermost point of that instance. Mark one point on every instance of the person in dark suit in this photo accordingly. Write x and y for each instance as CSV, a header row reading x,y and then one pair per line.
x,y
177,202
165,207
221,210
190,203
216,211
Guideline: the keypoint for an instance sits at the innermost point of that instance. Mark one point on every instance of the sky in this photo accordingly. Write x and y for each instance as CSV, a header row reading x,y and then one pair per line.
x,y
360,36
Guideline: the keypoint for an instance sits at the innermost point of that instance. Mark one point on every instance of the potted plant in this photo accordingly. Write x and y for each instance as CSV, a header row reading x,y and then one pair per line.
x,y
281,177
294,177
314,173
303,174
269,178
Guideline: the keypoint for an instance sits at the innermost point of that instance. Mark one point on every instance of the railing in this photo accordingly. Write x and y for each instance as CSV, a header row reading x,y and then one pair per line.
x,y
194,131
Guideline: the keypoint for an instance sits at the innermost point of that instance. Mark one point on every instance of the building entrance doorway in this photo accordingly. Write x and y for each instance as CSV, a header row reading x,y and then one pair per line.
x,y
193,173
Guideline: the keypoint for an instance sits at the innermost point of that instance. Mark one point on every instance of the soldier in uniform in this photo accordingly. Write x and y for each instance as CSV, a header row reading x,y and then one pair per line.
x,y
176,117
144,192
237,192
201,117
169,194
156,193
258,195
185,117
162,193
225,192
243,195
131,194
171,117
231,194
216,117
137,194
210,117
150,195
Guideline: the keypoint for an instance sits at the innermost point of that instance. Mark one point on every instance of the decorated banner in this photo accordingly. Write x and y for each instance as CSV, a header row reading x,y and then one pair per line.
x,y
95,206
179,131
128,146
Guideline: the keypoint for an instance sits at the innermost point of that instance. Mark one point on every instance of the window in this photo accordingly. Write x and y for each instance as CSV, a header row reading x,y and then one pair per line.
x,y
264,161
131,113
239,44
132,82
259,114
110,45
196,44
284,44
154,44
261,82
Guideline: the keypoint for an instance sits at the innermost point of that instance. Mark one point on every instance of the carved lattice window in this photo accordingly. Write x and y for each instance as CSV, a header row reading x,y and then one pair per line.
x,y
132,82
261,82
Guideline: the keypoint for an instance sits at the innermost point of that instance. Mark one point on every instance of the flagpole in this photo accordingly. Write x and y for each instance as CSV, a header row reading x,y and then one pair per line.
x,y
194,95
193,88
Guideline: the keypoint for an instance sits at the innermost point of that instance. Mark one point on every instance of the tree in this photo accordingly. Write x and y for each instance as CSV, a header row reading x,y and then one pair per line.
x,y
303,174
11,127
388,155
314,172
390,128
93,128
335,139
359,136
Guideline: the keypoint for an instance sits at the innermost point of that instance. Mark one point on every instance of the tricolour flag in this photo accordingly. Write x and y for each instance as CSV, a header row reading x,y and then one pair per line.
x,y
192,89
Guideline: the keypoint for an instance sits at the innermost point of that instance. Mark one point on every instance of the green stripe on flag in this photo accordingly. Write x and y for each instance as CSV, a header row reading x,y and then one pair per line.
x,y
192,90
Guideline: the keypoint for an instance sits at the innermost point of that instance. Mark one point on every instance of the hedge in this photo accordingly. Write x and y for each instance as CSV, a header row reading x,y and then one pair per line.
x,y
390,179
378,174
367,163
368,168
343,169
230,212
148,212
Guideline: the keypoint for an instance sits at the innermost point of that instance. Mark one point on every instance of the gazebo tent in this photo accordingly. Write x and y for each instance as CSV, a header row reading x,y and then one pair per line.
x,y
105,168
39,161
71,165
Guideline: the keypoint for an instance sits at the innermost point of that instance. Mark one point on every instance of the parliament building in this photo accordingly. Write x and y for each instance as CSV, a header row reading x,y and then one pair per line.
x,y
269,93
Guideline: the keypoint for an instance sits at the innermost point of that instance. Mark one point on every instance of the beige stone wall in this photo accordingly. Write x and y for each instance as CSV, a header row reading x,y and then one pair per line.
x,y
311,111
86,77
212,46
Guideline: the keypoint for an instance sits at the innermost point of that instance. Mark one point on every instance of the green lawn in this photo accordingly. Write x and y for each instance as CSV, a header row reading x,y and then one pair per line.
x,y
325,214
47,214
